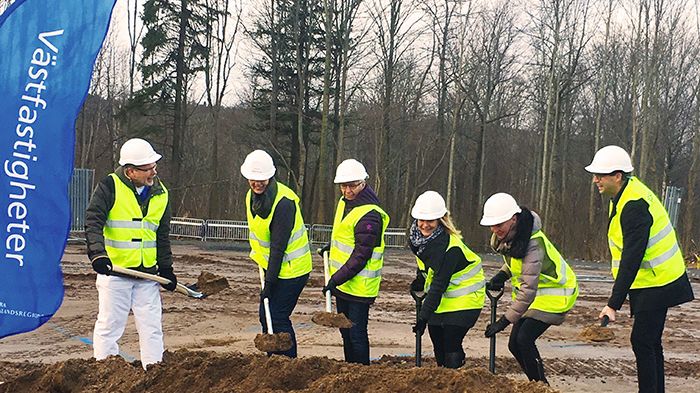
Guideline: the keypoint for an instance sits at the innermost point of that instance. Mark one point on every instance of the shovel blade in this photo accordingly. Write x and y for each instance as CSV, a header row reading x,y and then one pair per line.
x,y
597,333
330,319
278,342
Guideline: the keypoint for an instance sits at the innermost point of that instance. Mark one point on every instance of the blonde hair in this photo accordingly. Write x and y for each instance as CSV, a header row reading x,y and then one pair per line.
x,y
446,221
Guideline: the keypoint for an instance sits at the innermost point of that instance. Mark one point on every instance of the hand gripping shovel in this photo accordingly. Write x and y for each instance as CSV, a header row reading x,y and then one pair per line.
x,y
271,341
161,280
418,297
328,317
492,343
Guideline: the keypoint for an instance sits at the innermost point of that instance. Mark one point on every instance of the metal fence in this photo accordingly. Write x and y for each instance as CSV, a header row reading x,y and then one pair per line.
x,y
672,202
79,193
231,230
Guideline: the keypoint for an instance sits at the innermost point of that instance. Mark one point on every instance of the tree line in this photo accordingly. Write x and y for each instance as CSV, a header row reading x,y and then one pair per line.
x,y
467,98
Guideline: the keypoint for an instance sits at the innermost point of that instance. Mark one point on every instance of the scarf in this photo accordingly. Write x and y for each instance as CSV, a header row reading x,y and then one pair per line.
x,y
419,241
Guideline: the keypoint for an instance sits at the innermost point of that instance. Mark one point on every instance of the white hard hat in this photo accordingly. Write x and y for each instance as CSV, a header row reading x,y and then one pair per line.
x,y
429,206
610,159
350,170
137,151
258,165
499,208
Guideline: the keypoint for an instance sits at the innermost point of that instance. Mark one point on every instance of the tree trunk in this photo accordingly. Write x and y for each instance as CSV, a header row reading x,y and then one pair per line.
x,y
322,209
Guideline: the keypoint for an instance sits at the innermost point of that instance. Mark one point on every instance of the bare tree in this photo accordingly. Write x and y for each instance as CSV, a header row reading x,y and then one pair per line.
x,y
221,40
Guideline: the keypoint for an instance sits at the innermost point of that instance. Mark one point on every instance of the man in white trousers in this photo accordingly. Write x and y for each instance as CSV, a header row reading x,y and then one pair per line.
x,y
127,225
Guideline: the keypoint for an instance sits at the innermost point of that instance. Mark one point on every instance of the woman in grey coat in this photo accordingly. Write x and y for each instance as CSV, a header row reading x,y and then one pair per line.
x,y
544,286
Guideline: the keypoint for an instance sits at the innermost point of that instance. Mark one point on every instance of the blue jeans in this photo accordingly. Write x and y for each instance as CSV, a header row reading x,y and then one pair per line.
x,y
283,299
355,339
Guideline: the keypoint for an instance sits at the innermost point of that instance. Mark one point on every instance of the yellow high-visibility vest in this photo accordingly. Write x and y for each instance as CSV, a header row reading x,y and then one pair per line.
x,y
366,282
466,290
297,256
130,237
555,294
663,261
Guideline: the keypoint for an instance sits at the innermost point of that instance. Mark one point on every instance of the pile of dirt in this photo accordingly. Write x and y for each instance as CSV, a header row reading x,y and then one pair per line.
x,y
208,372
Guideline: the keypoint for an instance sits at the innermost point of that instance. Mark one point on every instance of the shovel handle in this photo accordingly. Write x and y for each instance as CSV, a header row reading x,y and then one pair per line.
x,y
161,280
326,278
266,301
492,340
604,321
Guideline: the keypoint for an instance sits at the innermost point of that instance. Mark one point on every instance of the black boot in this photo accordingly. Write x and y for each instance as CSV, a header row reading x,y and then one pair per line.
x,y
454,359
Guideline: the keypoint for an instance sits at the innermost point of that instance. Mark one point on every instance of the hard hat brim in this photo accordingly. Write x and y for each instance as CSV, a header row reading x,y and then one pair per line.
x,y
489,221
347,179
144,161
257,176
604,170
427,216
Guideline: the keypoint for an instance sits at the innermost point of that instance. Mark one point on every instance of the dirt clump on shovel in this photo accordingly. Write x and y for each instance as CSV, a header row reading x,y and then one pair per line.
x,y
597,333
277,342
331,319
209,283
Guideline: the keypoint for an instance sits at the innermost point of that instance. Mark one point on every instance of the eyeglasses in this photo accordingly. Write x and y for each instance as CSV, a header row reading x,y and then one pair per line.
x,y
350,186
150,168
599,176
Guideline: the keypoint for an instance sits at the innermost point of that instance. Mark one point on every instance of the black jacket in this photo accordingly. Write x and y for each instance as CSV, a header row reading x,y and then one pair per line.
x,y
444,265
96,216
281,226
636,222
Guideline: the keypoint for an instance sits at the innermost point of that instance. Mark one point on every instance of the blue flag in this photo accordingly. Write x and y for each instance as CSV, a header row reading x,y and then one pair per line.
x,y
47,51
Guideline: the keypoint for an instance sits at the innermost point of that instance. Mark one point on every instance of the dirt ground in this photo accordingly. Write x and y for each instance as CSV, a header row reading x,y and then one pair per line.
x,y
210,345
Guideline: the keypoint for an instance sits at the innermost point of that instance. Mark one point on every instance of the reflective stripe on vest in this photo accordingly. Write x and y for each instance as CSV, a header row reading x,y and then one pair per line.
x,y
554,294
663,260
466,288
130,237
296,261
366,282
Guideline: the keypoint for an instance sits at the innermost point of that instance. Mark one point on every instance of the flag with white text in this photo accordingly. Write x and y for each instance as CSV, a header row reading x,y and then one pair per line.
x,y
47,52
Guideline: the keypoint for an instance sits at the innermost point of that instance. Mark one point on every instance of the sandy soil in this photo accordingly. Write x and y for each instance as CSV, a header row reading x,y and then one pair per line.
x,y
226,323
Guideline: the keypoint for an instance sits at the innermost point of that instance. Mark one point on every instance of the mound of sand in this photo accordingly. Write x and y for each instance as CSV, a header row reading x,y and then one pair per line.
x,y
194,372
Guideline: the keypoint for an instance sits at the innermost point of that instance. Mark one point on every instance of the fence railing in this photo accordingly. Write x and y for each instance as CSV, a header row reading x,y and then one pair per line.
x,y
232,230
79,193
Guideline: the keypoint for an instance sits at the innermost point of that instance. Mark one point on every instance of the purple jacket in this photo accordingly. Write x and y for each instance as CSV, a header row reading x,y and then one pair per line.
x,y
368,232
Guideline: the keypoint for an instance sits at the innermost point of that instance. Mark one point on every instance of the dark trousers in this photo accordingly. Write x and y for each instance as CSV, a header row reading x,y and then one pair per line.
x,y
647,329
355,339
447,341
283,299
522,345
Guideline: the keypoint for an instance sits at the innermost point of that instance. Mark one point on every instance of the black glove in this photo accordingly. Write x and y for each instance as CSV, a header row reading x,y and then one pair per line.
x,y
266,292
496,282
326,248
330,286
418,285
102,265
170,275
493,328
419,327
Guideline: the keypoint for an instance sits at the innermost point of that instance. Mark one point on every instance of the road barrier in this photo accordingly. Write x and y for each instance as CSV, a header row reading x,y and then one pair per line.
x,y
232,230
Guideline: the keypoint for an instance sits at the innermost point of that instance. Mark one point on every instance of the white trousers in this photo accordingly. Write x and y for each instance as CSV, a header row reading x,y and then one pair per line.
x,y
118,295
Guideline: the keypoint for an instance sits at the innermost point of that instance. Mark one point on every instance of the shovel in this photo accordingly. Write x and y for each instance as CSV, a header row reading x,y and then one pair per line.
x,y
492,343
418,297
270,342
329,318
161,280
598,333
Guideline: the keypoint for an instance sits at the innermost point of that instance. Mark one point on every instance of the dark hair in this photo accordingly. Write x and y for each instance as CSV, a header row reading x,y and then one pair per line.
x,y
523,231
